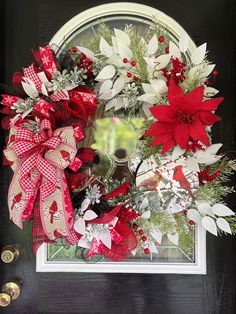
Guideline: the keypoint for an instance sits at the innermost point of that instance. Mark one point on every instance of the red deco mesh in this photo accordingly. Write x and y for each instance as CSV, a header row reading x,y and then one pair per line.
x,y
120,251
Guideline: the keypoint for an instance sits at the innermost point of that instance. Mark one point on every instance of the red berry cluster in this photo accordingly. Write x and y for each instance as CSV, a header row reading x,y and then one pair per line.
x,y
87,64
161,39
194,145
204,176
73,49
127,214
143,237
132,64
177,71
185,212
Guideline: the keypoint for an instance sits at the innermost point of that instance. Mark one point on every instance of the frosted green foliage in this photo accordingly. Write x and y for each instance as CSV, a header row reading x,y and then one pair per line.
x,y
217,190
232,221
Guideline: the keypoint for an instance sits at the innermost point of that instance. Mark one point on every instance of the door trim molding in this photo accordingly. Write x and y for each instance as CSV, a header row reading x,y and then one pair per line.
x,y
199,267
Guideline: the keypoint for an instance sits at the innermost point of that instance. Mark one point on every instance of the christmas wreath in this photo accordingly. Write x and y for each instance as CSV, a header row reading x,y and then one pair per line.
x,y
61,107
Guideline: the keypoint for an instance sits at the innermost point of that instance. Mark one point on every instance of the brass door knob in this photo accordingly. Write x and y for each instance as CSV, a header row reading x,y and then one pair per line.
x,y
10,291
5,299
9,254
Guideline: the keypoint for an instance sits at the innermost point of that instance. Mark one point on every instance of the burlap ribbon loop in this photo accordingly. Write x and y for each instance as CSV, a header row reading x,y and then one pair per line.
x,y
38,161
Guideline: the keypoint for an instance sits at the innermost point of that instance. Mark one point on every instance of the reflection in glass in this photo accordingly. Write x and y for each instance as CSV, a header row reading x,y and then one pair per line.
x,y
116,144
167,253
115,137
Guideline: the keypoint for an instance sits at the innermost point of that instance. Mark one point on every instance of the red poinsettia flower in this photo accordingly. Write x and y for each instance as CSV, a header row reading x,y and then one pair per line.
x,y
184,119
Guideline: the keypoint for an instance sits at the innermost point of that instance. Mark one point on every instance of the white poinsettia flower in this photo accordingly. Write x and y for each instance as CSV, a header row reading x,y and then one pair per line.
x,y
153,91
211,217
114,76
206,157
155,64
83,216
121,95
104,234
118,51
23,107
100,232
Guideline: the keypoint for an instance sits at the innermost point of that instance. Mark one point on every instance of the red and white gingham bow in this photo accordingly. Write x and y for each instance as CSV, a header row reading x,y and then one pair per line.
x,y
31,148
38,162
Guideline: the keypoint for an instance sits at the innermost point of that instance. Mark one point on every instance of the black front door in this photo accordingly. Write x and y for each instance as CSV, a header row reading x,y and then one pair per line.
x,y
27,24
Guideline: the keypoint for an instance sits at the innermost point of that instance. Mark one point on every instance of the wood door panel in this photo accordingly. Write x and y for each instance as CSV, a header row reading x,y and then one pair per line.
x,y
26,24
